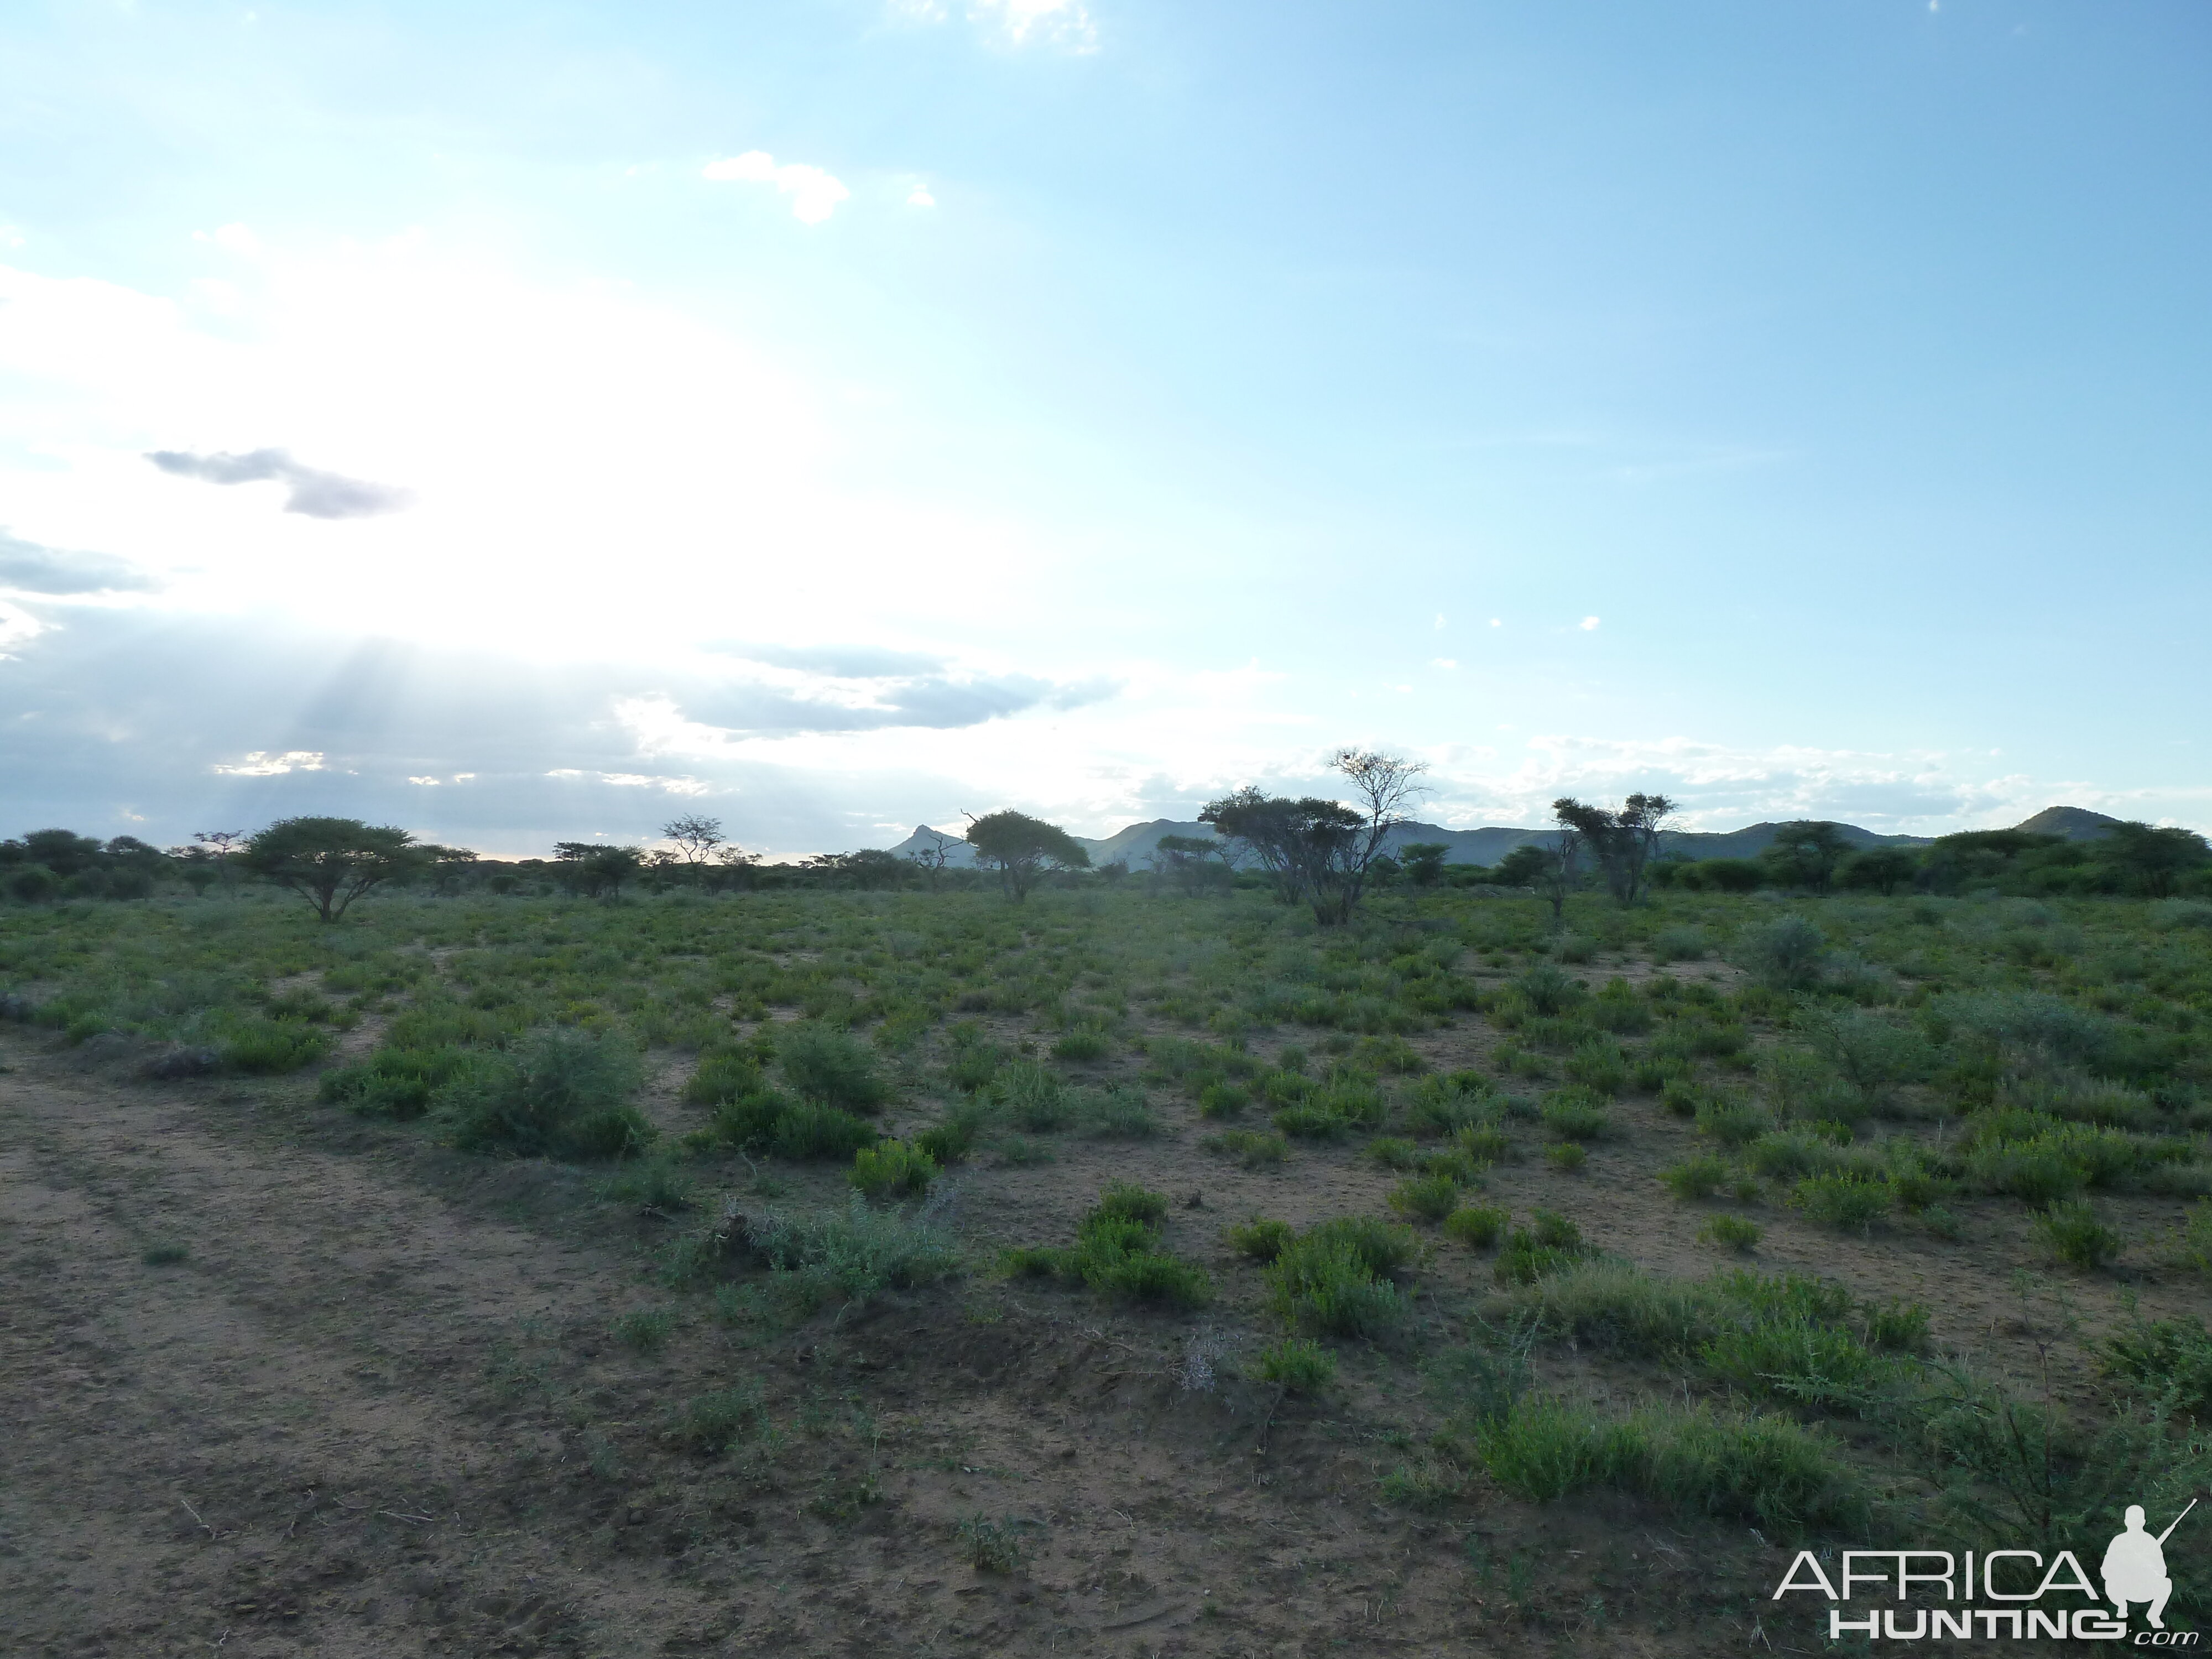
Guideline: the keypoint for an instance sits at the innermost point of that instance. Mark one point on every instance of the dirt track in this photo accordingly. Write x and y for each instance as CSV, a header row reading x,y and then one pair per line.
x,y
375,1412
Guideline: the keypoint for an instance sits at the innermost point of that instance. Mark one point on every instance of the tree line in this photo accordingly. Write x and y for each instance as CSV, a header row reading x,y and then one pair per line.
x,y
1326,855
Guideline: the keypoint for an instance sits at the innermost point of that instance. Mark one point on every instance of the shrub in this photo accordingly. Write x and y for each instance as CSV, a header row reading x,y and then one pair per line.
x,y
2168,1358
1445,1106
1697,1177
892,1169
1223,1100
1575,1114
991,1546
1842,1201
1312,1123
1327,1287
1682,1098
645,1329
725,1074
1392,1152
1732,1121
266,1047
2072,1234
1121,1113
830,1066
1806,1361
1731,1232
1123,1201
1261,1238
1896,1326
1566,1156
1253,1151
714,1423
1791,1154
561,1093
820,1132
1786,953
1081,1047
1599,1066
1550,1243
1425,1198
1482,1145
851,1255
163,1255
1679,943
395,1082
1550,990
1478,1226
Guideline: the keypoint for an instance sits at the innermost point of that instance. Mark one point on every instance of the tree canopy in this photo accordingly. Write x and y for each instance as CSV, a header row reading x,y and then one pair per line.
x,y
1022,848
330,862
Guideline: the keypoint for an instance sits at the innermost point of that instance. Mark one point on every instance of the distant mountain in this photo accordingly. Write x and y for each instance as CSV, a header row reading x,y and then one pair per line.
x,y
2072,822
1487,845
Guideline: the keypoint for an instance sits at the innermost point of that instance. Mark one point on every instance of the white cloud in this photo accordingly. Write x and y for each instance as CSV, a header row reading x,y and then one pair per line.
x,y
1443,662
260,764
814,193
1589,624
430,782
920,198
1064,23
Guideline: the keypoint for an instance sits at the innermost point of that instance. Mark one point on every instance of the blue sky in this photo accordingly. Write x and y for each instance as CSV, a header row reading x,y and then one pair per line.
x,y
838,416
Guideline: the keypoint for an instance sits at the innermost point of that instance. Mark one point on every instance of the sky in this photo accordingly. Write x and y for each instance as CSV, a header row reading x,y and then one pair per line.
x,y
532,423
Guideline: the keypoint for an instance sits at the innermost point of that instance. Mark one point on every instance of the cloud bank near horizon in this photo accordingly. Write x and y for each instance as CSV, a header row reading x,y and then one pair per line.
x,y
310,491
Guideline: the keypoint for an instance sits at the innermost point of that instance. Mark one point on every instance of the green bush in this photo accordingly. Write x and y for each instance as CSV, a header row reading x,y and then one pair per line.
x,y
1262,1238
1731,1232
1392,1152
1787,952
1299,1364
1575,1114
2072,1234
1550,990
1329,1279
266,1047
1081,1047
1478,1226
722,1074
1548,1243
712,1424
1566,1156
1697,1177
1425,1198
1223,1100
1842,1201
830,1067
1599,1066
1732,1121
1312,1123
395,1082
892,1169
559,1093
1252,1149
2171,1359
1787,1479
821,1133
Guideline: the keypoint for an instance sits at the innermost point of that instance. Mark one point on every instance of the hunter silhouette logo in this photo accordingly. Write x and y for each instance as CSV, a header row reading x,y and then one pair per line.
x,y
2135,1567
2000,1595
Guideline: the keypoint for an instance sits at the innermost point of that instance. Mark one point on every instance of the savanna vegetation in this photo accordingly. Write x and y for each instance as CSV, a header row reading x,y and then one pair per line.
x,y
1851,1198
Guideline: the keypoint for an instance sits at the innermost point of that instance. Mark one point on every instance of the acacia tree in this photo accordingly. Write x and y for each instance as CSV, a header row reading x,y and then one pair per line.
x,y
1423,861
1805,852
593,870
1022,848
933,856
330,862
695,839
1322,851
2154,858
220,845
1196,864
1622,842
